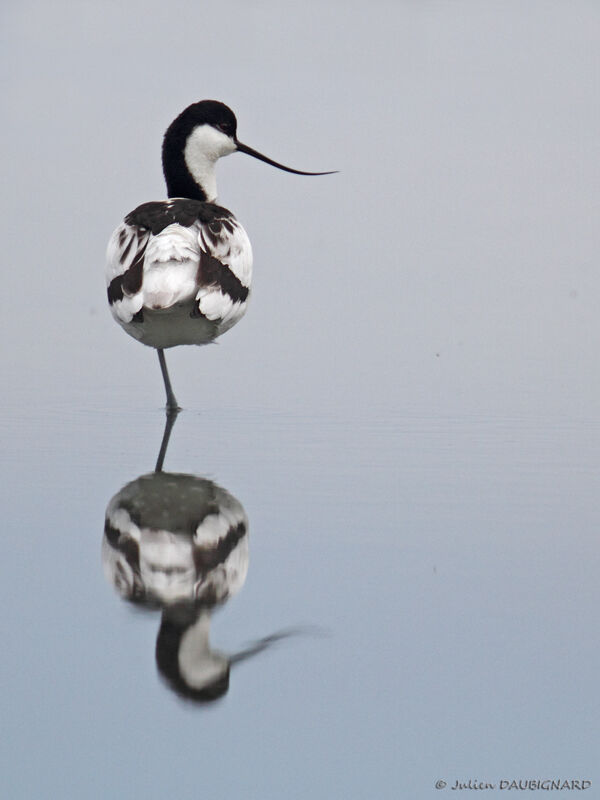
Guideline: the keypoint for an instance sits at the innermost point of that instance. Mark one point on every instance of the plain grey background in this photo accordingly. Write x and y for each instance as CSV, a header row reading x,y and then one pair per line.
x,y
461,224
408,412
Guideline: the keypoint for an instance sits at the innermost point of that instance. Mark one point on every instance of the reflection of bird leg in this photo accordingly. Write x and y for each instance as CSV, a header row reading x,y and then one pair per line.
x,y
171,416
171,401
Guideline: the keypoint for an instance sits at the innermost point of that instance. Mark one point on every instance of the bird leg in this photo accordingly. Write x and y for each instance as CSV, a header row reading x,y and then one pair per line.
x,y
169,422
171,401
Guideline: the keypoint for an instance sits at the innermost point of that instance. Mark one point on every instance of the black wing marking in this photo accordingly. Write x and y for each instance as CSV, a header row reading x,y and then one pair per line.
x,y
156,216
225,270
124,271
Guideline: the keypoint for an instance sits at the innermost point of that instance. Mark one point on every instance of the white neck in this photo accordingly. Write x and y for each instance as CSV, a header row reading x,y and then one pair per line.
x,y
202,169
199,665
203,148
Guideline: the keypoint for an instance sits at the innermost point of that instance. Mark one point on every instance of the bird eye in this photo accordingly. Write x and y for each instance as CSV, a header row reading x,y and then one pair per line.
x,y
223,126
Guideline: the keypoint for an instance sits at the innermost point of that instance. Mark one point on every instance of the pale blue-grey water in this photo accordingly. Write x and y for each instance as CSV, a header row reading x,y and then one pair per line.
x,y
408,414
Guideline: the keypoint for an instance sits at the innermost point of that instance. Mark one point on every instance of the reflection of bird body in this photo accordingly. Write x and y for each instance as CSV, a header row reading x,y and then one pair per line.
x,y
172,538
179,271
180,543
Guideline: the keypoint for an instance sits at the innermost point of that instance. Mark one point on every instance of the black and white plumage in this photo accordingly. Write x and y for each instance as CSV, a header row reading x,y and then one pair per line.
x,y
179,270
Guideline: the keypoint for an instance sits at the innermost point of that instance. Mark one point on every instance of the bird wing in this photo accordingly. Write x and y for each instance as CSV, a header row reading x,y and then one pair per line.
x,y
124,270
172,251
225,270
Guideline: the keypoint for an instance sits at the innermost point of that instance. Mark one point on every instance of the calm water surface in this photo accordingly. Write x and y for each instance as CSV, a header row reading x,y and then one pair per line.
x,y
439,576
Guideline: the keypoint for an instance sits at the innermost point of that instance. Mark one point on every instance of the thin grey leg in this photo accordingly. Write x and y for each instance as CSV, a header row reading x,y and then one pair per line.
x,y
169,422
171,401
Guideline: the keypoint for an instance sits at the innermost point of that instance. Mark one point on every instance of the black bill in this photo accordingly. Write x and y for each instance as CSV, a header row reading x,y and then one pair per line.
x,y
243,148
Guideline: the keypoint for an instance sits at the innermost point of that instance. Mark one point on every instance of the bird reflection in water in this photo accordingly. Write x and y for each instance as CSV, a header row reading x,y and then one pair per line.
x,y
180,543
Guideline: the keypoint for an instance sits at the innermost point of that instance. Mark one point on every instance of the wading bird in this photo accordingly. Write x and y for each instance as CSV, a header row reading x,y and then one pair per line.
x,y
179,270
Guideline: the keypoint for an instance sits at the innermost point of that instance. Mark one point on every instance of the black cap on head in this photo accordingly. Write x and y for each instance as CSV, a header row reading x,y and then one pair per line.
x,y
206,112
